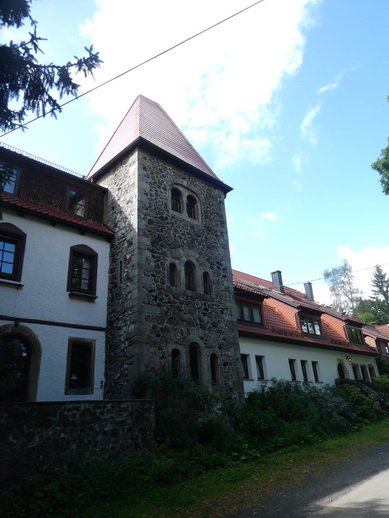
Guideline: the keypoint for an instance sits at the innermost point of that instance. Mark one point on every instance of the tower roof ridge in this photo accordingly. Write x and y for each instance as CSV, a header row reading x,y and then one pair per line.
x,y
147,120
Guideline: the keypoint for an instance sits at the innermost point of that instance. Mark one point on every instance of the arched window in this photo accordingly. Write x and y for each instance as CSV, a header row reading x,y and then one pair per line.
x,y
175,359
15,363
173,274
214,369
176,200
194,361
191,206
341,371
190,276
12,243
82,273
207,283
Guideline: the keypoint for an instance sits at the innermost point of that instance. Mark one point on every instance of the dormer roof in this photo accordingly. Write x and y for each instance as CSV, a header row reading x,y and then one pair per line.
x,y
147,122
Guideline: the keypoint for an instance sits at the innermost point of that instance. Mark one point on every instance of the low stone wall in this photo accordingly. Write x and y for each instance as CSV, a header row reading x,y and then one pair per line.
x,y
51,436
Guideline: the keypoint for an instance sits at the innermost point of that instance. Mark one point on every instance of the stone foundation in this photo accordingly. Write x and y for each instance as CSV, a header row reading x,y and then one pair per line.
x,y
51,436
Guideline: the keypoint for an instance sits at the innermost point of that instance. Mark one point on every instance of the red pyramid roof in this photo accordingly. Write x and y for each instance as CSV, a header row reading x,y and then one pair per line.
x,y
146,119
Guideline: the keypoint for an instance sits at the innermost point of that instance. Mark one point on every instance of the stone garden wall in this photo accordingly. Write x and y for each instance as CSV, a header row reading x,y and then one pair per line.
x,y
50,436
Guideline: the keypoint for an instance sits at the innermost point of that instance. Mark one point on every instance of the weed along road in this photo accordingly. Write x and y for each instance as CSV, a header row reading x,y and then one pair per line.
x,y
356,488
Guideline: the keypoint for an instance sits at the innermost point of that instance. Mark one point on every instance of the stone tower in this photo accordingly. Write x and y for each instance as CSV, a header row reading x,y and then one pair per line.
x,y
170,304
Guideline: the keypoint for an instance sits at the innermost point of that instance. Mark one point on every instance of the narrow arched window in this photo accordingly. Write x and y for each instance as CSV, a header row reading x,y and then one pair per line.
x,y
207,283
191,206
12,244
190,276
194,361
175,359
173,275
82,271
214,369
176,200
341,371
15,361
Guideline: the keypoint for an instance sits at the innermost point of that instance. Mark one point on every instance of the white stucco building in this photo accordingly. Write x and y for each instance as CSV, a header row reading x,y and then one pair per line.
x,y
284,334
53,283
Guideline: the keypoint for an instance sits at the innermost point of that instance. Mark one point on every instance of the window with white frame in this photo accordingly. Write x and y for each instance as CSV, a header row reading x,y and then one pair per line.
x,y
292,368
304,369
245,366
260,363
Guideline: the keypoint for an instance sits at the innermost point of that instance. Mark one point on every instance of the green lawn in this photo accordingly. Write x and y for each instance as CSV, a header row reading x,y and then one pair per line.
x,y
222,491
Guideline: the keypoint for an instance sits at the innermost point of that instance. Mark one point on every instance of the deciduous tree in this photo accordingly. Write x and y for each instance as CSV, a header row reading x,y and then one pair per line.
x,y
381,165
344,295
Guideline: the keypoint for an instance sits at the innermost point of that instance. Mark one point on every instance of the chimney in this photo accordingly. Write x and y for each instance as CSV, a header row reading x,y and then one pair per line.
x,y
309,291
276,278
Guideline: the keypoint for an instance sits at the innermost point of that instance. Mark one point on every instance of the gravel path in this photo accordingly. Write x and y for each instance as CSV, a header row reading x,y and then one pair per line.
x,y
356,488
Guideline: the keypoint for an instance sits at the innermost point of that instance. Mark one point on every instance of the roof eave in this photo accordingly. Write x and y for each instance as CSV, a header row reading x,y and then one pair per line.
x,y
141,142
109,234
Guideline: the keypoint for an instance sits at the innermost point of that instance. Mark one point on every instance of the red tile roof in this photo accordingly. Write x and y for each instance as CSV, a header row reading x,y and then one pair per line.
x,y
147,120
281,320
53,215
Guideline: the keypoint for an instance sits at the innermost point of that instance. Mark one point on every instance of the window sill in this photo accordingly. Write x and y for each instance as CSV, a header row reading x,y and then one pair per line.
x,y
86,296
12,284
79,392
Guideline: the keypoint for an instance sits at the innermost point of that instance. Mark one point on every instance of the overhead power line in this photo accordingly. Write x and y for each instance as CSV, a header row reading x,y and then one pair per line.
x,y
329,277
139,64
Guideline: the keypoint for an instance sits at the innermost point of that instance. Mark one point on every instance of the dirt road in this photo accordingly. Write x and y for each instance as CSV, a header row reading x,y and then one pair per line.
x,y
356,488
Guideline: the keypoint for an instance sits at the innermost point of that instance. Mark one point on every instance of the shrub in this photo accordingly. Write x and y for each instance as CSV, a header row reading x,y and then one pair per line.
x,y
363,405
187,412
381,382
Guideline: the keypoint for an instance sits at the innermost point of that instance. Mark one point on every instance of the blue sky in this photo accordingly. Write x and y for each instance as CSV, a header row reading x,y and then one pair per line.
x,y
286,102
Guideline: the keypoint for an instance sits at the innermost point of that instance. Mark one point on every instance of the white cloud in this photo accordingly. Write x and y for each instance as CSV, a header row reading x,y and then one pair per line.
x,y
297,185
331,86
297,161
308,130
363,263
220,87
269,216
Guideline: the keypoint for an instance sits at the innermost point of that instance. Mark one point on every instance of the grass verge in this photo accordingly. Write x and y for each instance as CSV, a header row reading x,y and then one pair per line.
x,y
222,491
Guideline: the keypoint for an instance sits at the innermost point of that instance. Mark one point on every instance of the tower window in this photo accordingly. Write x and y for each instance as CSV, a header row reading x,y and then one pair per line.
x,y
194,361
191,206
190,276
176,200
214,369
175,358
173,274
207,283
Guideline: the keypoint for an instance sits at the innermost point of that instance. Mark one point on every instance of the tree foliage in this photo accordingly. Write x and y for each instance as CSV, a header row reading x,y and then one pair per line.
x,y
344,295
381,165
26,84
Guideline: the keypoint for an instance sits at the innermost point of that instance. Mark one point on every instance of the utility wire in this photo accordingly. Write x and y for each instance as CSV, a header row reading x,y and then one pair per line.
x,y
139,65
323,278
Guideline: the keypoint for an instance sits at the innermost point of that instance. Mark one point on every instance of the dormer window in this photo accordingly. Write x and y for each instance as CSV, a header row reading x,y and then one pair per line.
x,y
11,175
355,335
310,326
76,203
249,312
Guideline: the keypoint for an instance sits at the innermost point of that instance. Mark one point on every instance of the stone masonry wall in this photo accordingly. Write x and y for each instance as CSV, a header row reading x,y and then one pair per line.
x,y
50,436
148,318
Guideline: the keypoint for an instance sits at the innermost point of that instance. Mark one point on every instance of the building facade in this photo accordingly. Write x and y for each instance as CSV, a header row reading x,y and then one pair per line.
x,y
171,303
54,259
285,334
